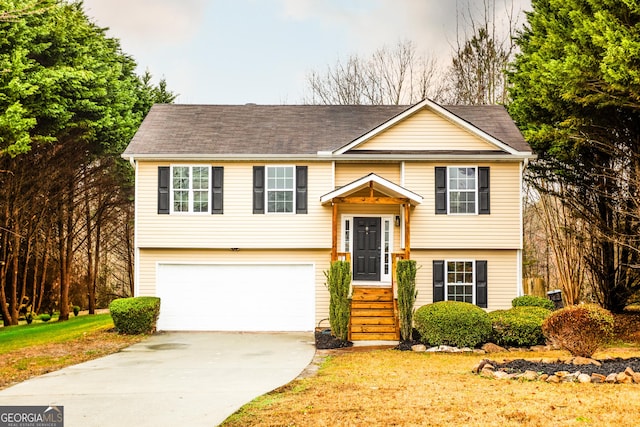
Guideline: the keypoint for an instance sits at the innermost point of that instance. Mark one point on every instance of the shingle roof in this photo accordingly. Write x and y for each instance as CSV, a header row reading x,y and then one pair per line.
x,y
179,129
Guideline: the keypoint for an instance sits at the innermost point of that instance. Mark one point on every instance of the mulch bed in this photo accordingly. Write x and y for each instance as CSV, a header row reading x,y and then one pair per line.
x,y
609,366
326,341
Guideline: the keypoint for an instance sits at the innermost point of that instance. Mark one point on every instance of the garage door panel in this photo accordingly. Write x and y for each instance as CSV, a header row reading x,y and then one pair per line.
x,y
236,297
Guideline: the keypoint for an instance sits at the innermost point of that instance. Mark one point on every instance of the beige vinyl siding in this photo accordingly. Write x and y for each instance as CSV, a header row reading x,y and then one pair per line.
x,y
320,258
426,130
502,274
346,173
238,227
501,229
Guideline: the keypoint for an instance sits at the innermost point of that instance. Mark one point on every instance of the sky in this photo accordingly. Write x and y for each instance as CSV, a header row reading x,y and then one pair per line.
x,y
261,51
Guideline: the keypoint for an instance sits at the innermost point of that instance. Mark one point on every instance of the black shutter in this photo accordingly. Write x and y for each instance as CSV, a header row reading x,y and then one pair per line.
x,y
484,207
217,187
301,189
481,284
441,190
164,182
438,281
258,189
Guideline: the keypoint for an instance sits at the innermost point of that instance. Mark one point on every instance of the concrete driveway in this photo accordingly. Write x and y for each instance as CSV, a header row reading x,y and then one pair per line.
x,y
170,379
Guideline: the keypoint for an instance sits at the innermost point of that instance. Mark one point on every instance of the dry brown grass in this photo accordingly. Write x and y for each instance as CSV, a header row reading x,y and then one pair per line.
x,y
389,387
25,363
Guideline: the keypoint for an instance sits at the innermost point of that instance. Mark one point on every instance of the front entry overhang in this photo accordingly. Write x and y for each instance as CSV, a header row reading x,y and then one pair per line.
x,y
394,194
380,192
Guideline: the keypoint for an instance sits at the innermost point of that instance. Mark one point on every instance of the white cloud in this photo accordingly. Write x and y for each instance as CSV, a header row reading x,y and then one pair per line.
x,y
143,21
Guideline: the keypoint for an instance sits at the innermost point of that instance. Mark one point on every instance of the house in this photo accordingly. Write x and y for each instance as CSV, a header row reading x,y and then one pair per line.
x,y
241,208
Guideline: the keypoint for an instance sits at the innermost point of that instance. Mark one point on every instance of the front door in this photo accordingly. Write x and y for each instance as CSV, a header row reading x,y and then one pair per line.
x,y
366,250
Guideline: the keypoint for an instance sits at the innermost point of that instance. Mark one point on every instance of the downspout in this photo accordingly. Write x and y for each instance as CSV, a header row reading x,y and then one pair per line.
x,y
136,250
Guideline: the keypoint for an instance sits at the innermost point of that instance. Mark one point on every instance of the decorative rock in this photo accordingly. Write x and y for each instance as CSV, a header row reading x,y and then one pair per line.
x,y
487,373
636,377
585,361
493,348
419,348
479,366
571,377
611,378
629,371
549,360
529,376
466,350
623,378
479,351
543,377
553,379
562,374
584,378
500,375
597,378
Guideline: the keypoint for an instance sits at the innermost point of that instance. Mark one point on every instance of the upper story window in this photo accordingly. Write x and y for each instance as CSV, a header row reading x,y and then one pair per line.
x,y
190,188
280,189
462,190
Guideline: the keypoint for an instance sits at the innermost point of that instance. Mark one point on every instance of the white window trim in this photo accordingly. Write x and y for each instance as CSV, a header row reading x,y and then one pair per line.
x,y
384,278
449,190
266,190
473,278
171,190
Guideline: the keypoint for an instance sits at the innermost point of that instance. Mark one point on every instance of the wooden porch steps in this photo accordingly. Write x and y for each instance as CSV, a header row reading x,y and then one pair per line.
x,y
373,315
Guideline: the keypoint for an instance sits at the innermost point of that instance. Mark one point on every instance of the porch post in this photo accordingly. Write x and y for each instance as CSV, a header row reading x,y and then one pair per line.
x,y
334,233
407,230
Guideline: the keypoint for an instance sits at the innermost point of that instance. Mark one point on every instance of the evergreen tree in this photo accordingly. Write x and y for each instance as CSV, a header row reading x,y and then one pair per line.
x,y
576,96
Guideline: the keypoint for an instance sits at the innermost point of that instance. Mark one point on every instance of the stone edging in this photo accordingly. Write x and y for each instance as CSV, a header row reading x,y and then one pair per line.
x,y
487,369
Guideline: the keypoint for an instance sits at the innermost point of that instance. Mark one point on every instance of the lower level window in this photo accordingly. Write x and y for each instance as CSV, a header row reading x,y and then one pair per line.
x,y
460,282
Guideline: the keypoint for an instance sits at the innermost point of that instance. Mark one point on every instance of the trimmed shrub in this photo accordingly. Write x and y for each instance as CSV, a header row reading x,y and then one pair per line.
x,y
76,310
579,329
45,317
452,323
339,285
533,301
406,275
518,326
136,315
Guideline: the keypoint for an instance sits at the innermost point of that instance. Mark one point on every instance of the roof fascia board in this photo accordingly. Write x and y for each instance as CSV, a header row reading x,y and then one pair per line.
x,y
386,157
448,115
355,185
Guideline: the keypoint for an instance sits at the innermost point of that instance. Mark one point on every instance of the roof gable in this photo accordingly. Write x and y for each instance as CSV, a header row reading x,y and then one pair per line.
x,y
446,130
378,184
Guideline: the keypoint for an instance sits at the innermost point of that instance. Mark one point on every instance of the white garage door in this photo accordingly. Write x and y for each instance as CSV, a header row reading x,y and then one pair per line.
x,y
236,297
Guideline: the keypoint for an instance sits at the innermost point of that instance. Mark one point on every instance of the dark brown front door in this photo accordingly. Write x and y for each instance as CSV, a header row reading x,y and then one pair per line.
x,y
366,251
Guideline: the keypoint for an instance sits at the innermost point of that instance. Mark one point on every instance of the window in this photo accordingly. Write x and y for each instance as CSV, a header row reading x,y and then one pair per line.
x,y
280,189
462,190
190,188
460,281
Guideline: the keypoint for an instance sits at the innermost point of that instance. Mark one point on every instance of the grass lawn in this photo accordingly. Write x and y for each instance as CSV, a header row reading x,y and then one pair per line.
x,y
389,387
30,350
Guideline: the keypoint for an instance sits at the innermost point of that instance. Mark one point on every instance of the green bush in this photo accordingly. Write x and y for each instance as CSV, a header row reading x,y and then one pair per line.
x,y
579,329
533,301
45,317
135,315
452,323
406,276
518,326
339,285
76,310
